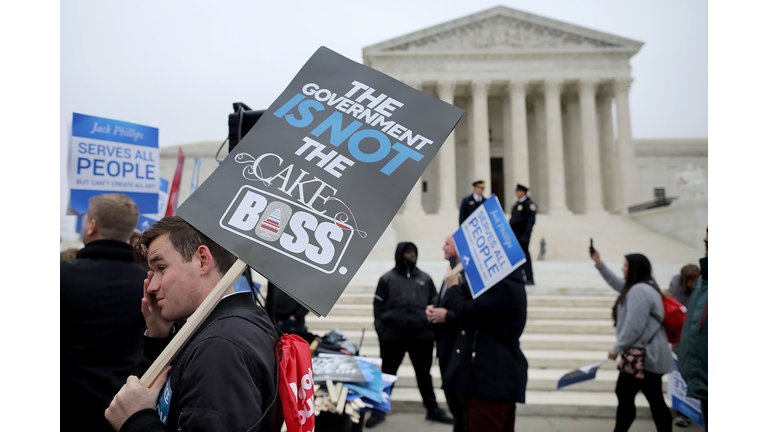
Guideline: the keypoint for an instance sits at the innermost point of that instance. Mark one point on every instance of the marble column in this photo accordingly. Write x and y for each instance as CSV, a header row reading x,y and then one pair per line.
x,y
609,157
555,161
593,193
540,193
413,204
626,148
516,169
447,156
481,146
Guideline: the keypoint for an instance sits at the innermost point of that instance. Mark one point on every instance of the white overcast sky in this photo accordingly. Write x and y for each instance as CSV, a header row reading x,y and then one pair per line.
x,y
178,66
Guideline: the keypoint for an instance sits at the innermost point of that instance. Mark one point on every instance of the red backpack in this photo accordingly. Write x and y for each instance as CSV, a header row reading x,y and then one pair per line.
x,y
674,317
296,388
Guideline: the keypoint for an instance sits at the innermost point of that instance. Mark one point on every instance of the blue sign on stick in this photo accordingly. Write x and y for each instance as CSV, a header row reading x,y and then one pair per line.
x,y
487,247
108,156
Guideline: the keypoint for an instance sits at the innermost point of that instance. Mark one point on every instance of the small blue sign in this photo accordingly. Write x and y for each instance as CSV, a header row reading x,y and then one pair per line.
x,y
112,156
487,247
164,401
676,392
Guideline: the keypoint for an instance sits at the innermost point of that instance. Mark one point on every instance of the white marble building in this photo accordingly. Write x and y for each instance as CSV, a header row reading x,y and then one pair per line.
x,y
547,106
539,95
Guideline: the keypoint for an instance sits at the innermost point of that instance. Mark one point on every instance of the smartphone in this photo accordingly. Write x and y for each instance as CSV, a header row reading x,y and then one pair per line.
x,y
452,260
591,247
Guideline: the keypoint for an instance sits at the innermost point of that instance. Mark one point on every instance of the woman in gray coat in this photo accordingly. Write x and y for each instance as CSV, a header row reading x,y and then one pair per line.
x,y
638,315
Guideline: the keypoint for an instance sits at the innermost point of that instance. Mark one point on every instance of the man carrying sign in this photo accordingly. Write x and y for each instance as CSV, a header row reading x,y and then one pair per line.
x,y
224,378
488,367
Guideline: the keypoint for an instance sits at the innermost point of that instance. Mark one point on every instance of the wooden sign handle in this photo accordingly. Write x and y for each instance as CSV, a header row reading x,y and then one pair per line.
x,y
459,267
193,323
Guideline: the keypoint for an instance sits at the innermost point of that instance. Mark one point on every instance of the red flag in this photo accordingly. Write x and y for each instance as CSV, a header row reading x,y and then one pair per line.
x,y
297,386
173,195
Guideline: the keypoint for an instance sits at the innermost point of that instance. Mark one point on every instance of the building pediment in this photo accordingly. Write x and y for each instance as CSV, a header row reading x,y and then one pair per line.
x,y
502,29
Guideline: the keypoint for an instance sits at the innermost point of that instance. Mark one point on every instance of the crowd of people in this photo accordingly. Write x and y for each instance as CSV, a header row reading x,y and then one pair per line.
x,y
124,299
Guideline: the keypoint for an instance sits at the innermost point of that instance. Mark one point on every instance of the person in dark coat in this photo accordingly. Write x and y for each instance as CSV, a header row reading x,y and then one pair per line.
x,y
522,221
101,323
472,202
289,314
224,377
446,328
489,368
399,305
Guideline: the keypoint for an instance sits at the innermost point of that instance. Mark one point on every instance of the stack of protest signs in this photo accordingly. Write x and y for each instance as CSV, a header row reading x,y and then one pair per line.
x,y
356,380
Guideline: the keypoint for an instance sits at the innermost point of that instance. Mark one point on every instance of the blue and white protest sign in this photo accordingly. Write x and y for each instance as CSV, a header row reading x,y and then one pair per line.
x,y
488,248
584,373
107,156
146,220
676,390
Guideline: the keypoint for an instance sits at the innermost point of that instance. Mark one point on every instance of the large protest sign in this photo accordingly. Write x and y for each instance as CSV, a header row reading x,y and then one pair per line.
x,y
108,156
308,192
487,247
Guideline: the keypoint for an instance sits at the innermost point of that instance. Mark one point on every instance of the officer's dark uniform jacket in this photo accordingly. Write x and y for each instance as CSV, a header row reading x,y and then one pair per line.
x,y
522,220
400,303
468,205
224,378
488,362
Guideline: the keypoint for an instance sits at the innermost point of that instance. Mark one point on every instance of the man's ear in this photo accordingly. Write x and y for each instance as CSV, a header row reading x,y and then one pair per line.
x,y
206,260
93,228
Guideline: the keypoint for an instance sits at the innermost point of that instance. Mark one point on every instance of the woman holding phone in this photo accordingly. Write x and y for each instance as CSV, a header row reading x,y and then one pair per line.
x,y
641,340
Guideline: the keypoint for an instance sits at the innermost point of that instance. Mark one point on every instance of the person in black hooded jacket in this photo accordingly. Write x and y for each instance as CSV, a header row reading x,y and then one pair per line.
x,y
399,305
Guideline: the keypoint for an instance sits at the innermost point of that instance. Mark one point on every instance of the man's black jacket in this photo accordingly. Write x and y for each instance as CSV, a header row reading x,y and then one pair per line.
x,y
101,325
224,378
400,303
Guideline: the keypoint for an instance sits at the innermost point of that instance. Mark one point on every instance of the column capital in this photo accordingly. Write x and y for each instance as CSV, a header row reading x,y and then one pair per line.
x,y
622,85
446,85
481,86
518,86
553,86
571,96
414,83
588,84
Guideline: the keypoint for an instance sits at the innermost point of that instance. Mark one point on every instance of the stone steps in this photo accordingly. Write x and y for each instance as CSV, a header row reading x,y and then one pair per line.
x,y
527,340
534,312
549,359
538,379
602,301
565,326
538,403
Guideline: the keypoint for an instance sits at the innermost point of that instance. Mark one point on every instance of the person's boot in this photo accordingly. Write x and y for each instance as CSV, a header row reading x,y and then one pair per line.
x,y
374,420
439,416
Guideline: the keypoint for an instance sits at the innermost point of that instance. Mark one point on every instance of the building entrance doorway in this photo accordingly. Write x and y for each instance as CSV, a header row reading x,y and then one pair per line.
x,y
497,179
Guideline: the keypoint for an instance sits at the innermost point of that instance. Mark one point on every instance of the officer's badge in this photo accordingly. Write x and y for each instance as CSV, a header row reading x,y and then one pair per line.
x,y
519,207
533,207
471,203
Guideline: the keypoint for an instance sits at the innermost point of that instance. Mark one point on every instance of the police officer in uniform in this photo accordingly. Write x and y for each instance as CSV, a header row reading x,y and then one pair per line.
x,y
472,202
522,220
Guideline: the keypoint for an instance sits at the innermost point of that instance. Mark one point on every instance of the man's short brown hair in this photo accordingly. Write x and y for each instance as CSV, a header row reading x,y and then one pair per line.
x,y
116,215
185,239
